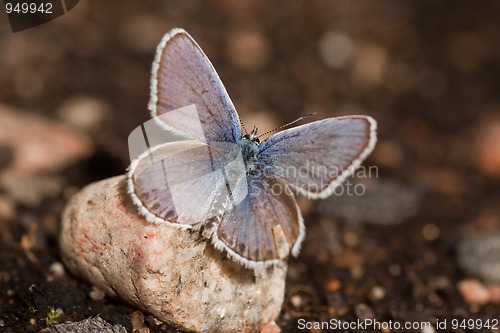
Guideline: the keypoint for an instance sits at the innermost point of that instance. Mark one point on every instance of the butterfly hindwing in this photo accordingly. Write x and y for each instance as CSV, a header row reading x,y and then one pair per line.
x,y
185,183
248,230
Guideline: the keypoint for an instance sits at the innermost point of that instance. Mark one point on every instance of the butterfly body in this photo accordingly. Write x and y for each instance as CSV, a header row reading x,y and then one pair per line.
x,y
249,145
240,189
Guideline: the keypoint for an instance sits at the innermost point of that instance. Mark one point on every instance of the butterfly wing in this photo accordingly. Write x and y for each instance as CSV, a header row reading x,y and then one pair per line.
x,y
317,157
182,76
185,183
249,231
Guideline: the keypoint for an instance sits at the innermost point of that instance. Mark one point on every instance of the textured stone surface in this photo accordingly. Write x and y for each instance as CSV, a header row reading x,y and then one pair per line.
x,y
175,275
89,325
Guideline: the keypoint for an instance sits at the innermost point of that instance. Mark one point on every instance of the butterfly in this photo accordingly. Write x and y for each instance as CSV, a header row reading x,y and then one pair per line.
x,y
237,191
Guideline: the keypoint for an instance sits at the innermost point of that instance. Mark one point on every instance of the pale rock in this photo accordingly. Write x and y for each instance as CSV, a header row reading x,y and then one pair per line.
x,y
477,254
95,324
175,275
83,112
38,145
474,292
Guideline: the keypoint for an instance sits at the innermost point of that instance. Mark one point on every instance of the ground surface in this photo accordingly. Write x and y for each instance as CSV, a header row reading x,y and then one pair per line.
x,y
427,71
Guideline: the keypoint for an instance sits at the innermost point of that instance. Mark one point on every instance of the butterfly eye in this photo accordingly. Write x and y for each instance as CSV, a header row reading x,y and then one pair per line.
x,y
256,140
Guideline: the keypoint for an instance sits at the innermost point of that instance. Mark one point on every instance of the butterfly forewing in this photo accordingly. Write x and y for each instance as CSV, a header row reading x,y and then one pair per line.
x,y
183,76
316,157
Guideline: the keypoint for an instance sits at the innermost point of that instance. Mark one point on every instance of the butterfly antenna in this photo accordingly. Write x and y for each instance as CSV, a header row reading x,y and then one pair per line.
x,y
290,123
243,125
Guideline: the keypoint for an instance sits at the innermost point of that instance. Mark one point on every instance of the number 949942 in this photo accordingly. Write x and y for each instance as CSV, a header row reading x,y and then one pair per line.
x,y
28,8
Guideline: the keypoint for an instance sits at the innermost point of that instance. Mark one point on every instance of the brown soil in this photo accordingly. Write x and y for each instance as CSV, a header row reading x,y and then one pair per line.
x,y
428,71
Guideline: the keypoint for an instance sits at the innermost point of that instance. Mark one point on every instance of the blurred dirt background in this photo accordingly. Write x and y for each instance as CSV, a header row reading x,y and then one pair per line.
x,y
429,71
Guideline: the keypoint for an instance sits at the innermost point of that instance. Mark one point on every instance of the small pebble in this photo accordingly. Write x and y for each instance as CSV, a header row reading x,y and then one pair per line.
x,y
7,208
428,329
83,112
270,327
57,270
487,146
97,294
296,301
479,256
430,232
333,285
137,321
377,293
175,276
442,282
474,292
370,62
95,324
336,49
364,312
248,48
384,202
49,147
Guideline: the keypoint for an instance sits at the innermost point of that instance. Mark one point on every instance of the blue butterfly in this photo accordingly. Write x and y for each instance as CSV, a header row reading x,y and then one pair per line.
x,y
238,191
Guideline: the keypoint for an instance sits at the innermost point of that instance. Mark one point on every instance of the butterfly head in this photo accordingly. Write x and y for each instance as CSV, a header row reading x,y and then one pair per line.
x,y
249,144
253,136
